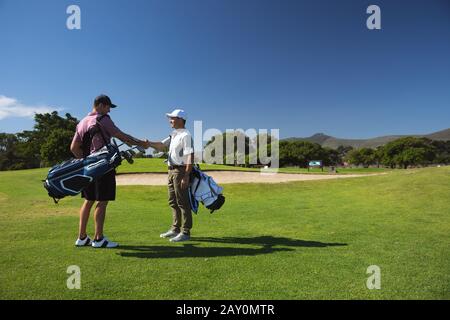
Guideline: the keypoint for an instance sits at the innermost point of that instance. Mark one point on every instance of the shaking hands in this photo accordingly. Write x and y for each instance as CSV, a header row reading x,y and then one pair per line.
x,y
144,144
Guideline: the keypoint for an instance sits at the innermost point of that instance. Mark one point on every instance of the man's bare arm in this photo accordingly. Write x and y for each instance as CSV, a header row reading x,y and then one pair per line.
x,y
158,146
189,164
131,140
76,149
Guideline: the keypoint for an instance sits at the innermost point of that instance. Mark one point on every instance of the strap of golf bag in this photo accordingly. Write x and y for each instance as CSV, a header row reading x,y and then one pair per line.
x,y
89,135
99,126
196,172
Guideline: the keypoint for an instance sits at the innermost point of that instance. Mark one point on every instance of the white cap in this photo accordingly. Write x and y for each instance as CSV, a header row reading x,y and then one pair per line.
x,y
177,113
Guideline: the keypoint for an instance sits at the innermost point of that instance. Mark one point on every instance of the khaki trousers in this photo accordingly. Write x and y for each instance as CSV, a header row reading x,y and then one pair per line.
x,y
179,202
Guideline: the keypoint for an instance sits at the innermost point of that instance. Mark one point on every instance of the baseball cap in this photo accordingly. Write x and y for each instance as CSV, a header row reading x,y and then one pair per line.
x,y
105,100
177,113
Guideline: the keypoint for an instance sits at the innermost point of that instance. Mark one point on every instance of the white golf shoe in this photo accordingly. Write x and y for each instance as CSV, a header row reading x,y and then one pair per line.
x,y
83,243
180,237
169,234
104,243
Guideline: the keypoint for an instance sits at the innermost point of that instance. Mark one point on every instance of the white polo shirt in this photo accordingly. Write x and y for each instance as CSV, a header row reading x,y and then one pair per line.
x,y
180,145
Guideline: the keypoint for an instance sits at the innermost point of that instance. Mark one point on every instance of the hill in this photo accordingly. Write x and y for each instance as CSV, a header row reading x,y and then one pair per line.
x,y
333,142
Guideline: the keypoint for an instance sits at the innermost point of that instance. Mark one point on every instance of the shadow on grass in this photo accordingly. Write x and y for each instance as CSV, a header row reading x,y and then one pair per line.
x,y
269,241
191,250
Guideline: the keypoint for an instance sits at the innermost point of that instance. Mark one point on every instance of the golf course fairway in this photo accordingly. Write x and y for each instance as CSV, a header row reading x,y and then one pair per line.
x,y
295,240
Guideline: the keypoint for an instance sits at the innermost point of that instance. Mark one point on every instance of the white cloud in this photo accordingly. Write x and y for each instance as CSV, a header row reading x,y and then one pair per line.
x,y
12,108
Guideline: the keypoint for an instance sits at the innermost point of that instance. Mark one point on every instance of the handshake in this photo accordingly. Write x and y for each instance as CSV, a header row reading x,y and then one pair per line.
x,y
144,144
132,141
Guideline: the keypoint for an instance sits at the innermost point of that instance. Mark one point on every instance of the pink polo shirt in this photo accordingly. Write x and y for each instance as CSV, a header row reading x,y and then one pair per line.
x,y
108,127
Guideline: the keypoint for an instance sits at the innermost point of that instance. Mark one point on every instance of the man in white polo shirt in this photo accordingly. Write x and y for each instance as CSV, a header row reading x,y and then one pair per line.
x,y
180,160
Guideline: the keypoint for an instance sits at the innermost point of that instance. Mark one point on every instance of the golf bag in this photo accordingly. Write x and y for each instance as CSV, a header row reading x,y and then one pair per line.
x,y
71,177
205,190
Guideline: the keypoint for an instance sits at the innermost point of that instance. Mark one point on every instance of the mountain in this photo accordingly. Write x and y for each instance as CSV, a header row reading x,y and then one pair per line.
x,y
332,142
440,135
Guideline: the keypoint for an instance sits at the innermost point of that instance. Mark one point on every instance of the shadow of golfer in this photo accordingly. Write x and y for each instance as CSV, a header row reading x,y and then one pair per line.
x,y
269,241
191,251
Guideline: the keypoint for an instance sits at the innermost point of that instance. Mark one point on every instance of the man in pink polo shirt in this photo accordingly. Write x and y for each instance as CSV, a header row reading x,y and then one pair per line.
x,y
88,139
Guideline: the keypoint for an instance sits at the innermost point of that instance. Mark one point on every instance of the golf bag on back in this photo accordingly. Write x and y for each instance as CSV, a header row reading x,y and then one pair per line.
x,y
205,190
71,177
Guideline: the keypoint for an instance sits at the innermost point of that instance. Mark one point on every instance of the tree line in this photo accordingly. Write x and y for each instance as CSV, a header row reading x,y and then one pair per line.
x,y
48,143
403,153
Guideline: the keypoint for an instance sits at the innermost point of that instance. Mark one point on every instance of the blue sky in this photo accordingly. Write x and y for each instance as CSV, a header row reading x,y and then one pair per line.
x,y
300,66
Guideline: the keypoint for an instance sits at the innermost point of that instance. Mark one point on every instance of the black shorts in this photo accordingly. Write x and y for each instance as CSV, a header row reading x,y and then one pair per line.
x,y
102,189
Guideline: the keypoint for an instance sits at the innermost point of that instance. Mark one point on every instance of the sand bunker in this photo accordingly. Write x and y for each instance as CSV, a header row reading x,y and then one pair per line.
x,y
222,177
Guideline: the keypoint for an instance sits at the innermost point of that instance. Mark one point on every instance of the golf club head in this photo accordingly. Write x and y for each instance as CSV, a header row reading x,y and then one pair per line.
x,y
127,155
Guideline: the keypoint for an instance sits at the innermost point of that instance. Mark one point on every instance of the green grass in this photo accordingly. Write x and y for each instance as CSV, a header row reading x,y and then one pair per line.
x,y
158,165
298,240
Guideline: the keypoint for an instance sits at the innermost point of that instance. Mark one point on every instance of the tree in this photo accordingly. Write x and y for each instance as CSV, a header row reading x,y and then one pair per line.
x,y
367,156
56,147
49,142
299,153
442,151
343,150
331,157
363,156
8,150
408,151
378,155
411,156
